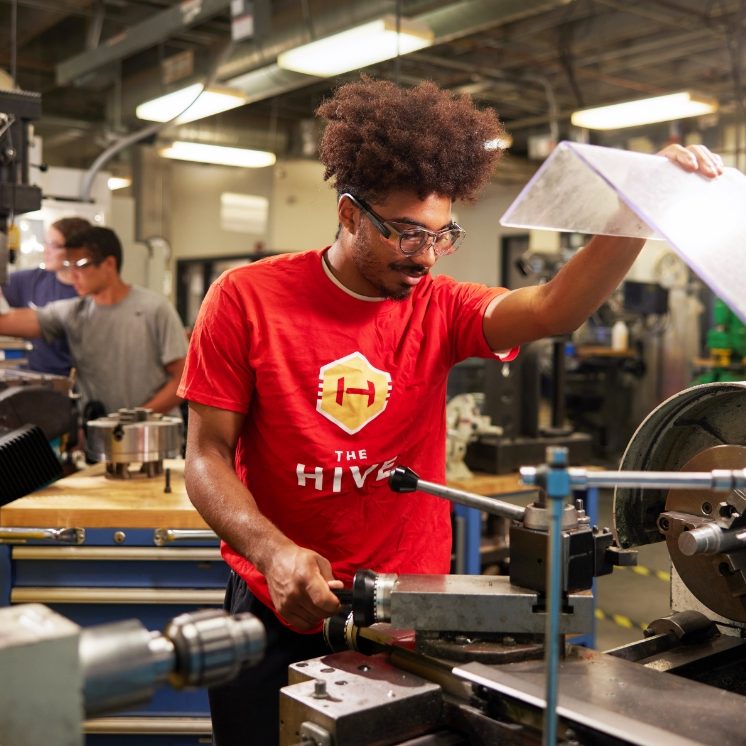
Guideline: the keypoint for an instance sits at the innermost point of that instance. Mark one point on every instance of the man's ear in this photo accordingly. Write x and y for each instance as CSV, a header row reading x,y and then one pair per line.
x,y
348,214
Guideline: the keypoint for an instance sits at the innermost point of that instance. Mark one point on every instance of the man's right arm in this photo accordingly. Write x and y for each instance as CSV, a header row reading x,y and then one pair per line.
x,y
299,579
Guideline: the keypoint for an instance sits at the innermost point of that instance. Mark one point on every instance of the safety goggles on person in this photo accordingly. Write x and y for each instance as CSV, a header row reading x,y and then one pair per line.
x,y
411,240
82,263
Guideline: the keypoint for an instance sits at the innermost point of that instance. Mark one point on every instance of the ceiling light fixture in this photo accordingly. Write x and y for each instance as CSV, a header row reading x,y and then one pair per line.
x,y
357,47
218,154
645,111
211,101
118,182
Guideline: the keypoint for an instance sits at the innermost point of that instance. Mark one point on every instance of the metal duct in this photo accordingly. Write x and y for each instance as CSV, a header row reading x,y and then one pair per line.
x,y
252,68
139,37
455,20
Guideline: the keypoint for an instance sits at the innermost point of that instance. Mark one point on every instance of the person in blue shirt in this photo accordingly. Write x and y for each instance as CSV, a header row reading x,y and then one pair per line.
x,y
34,288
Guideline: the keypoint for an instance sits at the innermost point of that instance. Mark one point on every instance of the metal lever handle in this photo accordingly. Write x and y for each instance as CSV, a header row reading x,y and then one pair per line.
x,y
403,479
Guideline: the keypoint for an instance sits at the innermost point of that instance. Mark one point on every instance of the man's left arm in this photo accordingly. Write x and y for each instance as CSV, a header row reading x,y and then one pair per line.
x,y
165,399
561,305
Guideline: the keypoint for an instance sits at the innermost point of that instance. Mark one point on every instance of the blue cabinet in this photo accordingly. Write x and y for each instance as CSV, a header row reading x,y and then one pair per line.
x,y
137,553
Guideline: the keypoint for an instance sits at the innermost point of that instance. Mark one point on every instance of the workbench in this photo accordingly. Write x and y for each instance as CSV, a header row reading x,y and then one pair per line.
x,y
89,498
129,549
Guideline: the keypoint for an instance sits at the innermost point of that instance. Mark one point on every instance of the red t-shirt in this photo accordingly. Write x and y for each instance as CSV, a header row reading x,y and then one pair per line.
x,y
337,391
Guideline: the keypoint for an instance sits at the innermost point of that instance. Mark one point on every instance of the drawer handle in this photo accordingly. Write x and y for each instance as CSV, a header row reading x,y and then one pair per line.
x,y
60,535
150,725
163,536
86,595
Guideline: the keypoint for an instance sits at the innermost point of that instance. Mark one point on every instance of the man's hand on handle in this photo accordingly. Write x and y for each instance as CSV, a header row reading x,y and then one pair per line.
x,y
300,583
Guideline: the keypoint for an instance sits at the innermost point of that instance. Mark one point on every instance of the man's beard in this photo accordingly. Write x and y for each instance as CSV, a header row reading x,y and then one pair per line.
x,y
370,269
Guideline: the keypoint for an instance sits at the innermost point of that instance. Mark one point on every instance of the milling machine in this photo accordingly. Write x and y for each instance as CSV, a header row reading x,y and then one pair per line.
x,y
475,659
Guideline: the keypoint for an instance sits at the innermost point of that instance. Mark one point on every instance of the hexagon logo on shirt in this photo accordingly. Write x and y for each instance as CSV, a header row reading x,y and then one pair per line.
x,y
352,392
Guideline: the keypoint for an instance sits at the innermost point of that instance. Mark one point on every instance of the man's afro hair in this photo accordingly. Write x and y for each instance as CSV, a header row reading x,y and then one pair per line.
x,y
381,137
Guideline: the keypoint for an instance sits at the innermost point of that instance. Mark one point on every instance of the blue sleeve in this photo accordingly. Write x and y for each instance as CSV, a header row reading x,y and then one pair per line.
x,y
16,291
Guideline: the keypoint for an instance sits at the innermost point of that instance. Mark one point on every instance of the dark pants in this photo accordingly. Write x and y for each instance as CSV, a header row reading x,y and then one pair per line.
x,y
246,711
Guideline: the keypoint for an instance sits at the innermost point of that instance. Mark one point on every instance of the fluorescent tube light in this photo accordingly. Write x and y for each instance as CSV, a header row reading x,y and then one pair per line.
x,y
212,101
357,47
218,154
645,111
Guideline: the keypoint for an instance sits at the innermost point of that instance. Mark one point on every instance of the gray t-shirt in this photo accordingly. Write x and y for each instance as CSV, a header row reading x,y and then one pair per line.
x,y
120,350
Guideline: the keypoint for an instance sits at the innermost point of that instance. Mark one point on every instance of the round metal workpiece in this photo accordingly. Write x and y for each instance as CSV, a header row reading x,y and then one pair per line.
x,y
718,579
684,425
537,517
134,436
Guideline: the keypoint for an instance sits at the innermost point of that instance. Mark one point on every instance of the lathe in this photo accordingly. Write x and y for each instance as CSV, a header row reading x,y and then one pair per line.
x,y
56,672
467,659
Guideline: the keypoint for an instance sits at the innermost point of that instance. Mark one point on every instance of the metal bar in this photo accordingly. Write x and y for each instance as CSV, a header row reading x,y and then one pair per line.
x,y
487,504
558,489
552,636
118,554
719,479
710,539
62,535
149,725
457,19
158,596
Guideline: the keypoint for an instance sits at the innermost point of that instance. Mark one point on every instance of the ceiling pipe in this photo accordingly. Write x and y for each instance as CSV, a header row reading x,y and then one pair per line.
x,y
542,80
252,68
135,137
454,21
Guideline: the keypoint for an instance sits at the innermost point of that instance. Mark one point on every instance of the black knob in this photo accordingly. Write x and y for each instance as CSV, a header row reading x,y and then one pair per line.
x,y
403,479
364,598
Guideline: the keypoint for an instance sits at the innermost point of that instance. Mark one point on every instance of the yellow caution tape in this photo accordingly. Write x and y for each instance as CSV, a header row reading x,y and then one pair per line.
x,y
619,619
647,572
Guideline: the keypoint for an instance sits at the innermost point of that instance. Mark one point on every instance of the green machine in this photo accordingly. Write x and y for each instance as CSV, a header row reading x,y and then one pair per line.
x,y
726,343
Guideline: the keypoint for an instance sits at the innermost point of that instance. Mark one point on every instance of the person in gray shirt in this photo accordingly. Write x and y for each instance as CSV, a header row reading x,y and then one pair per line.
x,y
127,343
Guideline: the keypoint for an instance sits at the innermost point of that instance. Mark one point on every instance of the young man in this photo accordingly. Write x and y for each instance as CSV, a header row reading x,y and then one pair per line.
x,y
34,288
310,376
127,343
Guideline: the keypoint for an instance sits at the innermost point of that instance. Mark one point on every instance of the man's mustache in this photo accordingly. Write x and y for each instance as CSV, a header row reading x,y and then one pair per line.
x,y
411,269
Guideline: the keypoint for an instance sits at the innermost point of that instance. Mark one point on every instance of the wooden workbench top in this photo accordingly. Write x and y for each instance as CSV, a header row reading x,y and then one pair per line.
x,y
492,484
88,499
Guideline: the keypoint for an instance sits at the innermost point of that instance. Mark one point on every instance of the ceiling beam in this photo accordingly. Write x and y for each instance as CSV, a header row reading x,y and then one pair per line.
x,y
144,35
